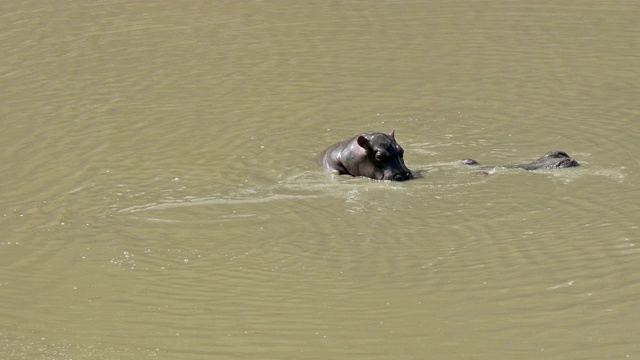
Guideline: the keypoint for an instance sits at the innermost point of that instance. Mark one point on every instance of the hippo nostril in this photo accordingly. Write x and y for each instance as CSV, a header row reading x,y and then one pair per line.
x,y
567,163
402,176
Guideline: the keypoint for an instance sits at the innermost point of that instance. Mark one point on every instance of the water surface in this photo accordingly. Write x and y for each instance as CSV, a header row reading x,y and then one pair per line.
x,y
160,196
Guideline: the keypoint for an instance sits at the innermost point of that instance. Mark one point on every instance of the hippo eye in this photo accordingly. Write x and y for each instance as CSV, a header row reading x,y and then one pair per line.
x,y
380,157
557,154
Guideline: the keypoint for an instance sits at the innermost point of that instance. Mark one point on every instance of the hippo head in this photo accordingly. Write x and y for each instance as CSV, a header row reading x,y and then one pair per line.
x,y
552,160
385,157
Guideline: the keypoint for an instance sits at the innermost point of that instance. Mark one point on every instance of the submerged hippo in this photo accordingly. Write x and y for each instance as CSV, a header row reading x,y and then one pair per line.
x,y
549,161
373,155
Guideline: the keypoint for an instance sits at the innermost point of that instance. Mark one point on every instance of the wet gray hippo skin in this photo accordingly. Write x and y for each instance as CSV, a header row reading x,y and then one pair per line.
x,y
549,161
373,155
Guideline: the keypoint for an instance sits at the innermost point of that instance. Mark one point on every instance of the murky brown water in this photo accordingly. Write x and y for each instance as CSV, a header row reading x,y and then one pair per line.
x,y
160,197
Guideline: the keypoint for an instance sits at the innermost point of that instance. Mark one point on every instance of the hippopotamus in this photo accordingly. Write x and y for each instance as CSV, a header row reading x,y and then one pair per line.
x,y
374,155
549,161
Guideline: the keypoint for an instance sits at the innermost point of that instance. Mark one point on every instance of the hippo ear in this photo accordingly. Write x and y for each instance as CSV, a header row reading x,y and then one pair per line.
x,y
362,141
393,134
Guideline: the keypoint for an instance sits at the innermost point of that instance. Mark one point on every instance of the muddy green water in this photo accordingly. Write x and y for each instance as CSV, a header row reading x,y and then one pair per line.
x,y
160,198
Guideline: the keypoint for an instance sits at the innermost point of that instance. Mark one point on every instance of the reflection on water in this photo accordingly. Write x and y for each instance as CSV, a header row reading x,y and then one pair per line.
x,y
161,196
207,202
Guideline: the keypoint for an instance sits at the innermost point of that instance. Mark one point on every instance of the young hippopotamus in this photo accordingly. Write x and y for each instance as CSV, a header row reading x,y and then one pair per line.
x,y
549,161
373,155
